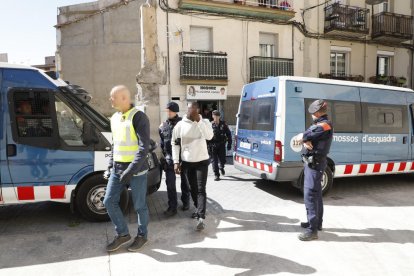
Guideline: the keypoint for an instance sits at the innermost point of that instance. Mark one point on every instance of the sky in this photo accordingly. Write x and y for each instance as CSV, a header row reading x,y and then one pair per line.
x,y
27,34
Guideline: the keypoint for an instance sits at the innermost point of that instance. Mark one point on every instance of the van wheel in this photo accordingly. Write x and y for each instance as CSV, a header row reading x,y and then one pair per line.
x,y
89,199
326,183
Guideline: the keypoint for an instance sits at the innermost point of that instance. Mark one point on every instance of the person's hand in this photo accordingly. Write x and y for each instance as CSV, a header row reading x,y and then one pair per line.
x,y
107,173
177,168
197,118
126,177
308,145
228,147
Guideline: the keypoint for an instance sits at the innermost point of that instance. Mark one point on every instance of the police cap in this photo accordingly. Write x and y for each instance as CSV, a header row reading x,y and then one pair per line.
x,y
216,112
316,106
173,107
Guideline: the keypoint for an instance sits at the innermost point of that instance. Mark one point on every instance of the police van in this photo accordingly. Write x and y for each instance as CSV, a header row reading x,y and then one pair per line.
x,y
373,128
54,146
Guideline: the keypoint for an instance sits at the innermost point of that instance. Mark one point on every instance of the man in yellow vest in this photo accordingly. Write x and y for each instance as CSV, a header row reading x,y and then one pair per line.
x,y
128,167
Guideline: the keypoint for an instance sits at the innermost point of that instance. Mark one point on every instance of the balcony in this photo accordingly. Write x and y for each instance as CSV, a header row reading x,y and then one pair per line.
x,y
346,20
358,78
263,67
393,27
278,10
203,67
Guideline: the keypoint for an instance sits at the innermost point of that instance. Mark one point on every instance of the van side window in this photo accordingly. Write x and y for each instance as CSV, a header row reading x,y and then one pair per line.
x,y
384,119
69,123
346,116
33,117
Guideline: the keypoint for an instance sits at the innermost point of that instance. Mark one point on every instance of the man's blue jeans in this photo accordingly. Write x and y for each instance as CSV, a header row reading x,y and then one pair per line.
x,y
114,189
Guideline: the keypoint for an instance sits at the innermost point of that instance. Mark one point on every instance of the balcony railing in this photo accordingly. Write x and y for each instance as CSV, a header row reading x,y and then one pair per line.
x,y
346,20
263,67
358,78
203,66
280,10
390,26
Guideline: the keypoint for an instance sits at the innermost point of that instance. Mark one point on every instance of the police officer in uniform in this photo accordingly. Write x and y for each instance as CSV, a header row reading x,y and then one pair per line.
x,y
217,145
165,131
317,141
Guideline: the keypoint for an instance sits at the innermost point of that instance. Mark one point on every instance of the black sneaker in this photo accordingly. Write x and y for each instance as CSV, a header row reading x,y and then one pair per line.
x,y
138,243
308,236
170,212
306,225
194,215
200,224
118,242
217,178
222,171
185,207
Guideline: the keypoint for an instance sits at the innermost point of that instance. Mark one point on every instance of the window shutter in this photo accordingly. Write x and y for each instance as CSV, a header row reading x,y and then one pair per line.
x,y
201,39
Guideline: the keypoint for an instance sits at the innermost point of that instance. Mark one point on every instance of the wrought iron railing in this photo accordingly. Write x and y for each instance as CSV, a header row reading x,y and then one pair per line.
x,y
391,24
203,65
346,18
274,4
263,67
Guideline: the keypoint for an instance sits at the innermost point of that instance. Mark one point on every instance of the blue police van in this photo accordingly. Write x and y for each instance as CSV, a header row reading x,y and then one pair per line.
x,y
54,146
373,128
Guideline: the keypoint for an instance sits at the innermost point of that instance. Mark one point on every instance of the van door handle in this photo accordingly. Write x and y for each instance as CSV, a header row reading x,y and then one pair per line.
x,y
405,140
11,150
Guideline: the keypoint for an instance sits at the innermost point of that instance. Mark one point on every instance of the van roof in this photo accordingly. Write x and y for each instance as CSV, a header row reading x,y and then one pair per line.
x,y
345,83
15,66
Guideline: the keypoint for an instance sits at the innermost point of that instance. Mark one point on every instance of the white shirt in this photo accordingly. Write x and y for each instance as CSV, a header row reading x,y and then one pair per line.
x,y
193,137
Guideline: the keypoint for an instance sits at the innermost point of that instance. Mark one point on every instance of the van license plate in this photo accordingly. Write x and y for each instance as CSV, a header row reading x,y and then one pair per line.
x,y
245,145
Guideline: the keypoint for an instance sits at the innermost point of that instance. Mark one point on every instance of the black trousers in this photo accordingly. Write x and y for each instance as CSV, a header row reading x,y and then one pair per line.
x,y
170,179
218,157
196,174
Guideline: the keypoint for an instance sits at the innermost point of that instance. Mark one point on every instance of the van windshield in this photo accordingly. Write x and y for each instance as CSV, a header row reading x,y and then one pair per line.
x,y
257,114
83,107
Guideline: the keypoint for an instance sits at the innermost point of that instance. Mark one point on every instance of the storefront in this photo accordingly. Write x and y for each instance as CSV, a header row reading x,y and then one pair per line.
x,y
210,97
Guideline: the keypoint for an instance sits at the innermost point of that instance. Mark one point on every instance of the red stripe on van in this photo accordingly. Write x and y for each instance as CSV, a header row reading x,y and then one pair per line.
x,y
57,192
25,193
402,166
363,168
412,166
348,169
377,167
390,167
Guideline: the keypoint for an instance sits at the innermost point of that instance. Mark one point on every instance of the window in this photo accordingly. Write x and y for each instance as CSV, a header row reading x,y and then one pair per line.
x,y
384,7
384,65
384,118
258,114
201,39
345,116
33,118
264,114
246,118
268,45
70,124
339,63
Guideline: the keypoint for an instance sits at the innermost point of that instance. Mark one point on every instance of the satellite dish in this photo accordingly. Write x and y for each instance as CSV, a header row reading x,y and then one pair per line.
x,y
374,2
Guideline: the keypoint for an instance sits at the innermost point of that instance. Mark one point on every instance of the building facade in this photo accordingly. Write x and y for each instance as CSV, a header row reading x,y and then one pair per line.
x,y
207,50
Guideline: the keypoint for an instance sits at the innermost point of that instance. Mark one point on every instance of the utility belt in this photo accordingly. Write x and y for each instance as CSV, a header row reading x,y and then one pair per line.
x,y
313,160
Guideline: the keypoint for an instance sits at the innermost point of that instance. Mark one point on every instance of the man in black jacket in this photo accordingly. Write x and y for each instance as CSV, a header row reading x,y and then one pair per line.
x,y
165,131
217,145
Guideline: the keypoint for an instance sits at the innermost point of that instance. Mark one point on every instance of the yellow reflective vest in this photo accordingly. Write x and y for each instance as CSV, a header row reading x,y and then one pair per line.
x,y
124,137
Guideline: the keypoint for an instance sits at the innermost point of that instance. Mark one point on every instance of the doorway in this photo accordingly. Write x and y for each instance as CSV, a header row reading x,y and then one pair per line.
x,y
207,107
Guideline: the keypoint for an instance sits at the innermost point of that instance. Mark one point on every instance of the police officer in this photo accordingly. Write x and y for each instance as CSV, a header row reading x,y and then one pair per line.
x,y
217,145
317,141
165,131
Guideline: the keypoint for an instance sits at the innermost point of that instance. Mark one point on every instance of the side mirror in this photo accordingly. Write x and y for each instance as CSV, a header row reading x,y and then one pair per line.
x,y
89,135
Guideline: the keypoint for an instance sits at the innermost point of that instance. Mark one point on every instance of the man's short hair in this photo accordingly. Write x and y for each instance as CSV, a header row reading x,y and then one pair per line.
x,y
195,104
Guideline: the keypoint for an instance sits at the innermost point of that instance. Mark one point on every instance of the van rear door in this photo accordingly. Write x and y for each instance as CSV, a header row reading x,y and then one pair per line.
x,y
256,124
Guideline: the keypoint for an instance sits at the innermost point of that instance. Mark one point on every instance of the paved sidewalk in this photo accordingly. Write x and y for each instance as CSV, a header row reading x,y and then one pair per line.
x,y
252,228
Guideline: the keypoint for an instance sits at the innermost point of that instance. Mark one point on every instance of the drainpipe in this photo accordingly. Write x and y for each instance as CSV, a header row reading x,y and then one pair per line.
x,y
168,56
412,51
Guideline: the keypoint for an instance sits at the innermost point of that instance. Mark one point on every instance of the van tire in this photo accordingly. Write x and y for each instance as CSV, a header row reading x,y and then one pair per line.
x,y
94,188
328,175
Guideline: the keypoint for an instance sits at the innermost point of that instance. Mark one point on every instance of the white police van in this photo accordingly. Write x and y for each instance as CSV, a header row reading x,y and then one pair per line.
x,y
373,128
54,146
